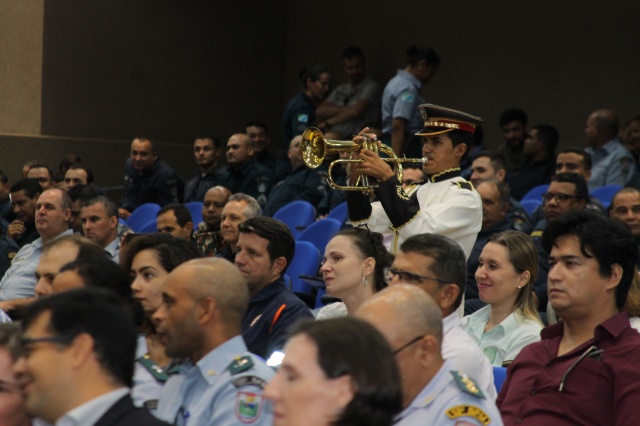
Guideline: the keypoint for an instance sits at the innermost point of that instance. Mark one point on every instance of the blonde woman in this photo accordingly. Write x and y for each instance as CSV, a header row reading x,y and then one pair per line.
x,y
507,269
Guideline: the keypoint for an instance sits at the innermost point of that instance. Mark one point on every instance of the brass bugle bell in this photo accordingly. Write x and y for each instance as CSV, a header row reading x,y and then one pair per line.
x,y
315,147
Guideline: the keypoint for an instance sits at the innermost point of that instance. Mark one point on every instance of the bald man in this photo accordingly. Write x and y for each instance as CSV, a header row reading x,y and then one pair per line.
x,y
433,393
203,303
612,162
245,174
207,236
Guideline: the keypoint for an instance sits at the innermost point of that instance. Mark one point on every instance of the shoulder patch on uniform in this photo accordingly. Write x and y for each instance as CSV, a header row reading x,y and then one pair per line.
x,y
248,406
467,384
401,194
240,364
153,368
303,118
11,255
249,381
464,185
407,96
468,411
535,234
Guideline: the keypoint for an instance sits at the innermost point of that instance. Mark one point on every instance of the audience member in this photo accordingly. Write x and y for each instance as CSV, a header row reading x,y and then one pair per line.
x,y
149,259
91,339
592,351
147,179
353,269
57,253
495,204
265,249
5,200
400,100
26,166
100,224
412,176
239,208
245,174
507,269
93,271
53,210
436,264
446,204
67,162
625,205
259,135
203,302
175,219
346,375
567,192
432,392
630,137
79,194
513,123
612,163
42,174
206,151
77,174
12,404
300,111
302,184
353,105
539,165
489,165
207,235
24,195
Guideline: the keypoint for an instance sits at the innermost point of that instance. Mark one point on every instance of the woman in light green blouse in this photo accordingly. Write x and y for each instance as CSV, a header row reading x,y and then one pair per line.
x,y
507,269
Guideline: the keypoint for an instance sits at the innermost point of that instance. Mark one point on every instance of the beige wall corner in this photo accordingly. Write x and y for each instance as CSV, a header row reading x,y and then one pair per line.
x,y
21,24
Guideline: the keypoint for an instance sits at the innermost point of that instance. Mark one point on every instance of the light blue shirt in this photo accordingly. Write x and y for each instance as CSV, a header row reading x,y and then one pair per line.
x,y
146,389
90,412
113,250
612,164
504,341
19,281
445,401
400,99
208,393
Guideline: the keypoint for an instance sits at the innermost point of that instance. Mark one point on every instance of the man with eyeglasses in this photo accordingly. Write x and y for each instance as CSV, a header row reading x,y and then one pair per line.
x,y
433,390
625,205
245,174
436,264
584,371
567,192
76,365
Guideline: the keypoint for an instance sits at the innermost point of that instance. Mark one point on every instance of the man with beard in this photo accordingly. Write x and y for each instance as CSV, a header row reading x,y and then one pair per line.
x,y
513,123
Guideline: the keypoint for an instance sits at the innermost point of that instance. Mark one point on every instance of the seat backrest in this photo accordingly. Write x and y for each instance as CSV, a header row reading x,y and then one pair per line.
x,y
535,193
319,233
297,215
339,212
605,194
150,227
499,375
530,205
195,208
142,215
306,261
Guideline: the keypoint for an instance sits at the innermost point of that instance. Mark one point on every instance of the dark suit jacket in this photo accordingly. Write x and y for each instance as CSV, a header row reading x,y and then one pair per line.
x,y
123,413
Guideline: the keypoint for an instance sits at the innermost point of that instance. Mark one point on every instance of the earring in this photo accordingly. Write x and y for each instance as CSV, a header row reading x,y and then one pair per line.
x,y
365,280
519,286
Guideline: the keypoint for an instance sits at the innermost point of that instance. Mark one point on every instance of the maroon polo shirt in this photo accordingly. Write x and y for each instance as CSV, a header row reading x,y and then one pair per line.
x,y
600,379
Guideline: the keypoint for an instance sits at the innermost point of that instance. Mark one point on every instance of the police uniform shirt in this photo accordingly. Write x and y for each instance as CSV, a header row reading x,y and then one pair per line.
x,y
159,184
447,205
450,398
252,178
299,114
612,164
224,388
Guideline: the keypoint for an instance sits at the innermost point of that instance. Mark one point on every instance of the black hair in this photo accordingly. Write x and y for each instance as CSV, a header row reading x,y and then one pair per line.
x,y
30,186
313,72
582,190
101,272
82,192
67,161
549,136
449,261
42,166
281,242
415,55
351,347
98,313
3,177
497,161
214,139
87,170
370,244
180,211
513,114
461,137
351,52
154,146
170,251
608,240
259,124
586,157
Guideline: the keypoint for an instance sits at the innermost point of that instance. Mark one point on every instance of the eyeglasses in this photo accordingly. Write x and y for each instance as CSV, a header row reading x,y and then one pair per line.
x,y
26,342
406,345
560,197
407,277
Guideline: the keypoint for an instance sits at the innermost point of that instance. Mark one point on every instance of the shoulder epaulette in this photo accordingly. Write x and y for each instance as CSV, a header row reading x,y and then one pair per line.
x,y
467,384
463,185
153,368
240,364
249,381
